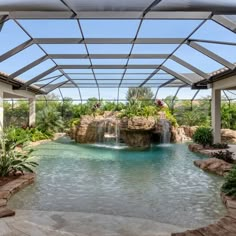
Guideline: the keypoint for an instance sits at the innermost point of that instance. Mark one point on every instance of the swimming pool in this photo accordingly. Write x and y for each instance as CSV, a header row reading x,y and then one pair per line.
x,y
161,183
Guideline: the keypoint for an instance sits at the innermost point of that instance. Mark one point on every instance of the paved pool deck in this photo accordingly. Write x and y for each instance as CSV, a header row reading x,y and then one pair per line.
x,y
42,223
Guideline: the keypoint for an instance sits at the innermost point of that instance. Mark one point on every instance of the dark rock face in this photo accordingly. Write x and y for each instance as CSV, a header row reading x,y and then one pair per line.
x,y
137,139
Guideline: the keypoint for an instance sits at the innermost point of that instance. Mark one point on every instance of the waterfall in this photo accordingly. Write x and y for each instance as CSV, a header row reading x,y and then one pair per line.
x,y
165,134
108,132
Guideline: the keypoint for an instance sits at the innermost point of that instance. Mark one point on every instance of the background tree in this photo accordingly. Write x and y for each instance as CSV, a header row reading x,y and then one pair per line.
x,y
140,94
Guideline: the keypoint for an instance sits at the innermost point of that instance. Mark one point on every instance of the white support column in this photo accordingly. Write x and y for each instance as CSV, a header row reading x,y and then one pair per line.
x,y
216,114
1,111
32,112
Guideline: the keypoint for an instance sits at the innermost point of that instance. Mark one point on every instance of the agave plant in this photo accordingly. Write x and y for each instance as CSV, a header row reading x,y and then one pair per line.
x,y
13,161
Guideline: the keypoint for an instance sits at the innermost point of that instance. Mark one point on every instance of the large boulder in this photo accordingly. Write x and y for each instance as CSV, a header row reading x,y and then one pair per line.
x,y
228,136
141,123
86,130
182,133
214,165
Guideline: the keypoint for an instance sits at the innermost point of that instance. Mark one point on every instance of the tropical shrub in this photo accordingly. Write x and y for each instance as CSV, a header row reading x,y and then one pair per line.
x,y
228,116
225,156
16,134
229,187
143,94
49,120
139,109
203,136
13,161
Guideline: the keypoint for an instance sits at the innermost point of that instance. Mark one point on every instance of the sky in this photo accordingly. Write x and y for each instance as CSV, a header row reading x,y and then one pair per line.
x,y
12,35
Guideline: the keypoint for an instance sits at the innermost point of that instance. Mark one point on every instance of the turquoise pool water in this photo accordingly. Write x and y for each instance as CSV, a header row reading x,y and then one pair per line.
x,y
161,183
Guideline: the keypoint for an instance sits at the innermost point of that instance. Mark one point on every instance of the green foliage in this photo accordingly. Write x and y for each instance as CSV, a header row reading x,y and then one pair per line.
x,y
228,116
220,145
16,113
74,122
49,120
196,114
140,94
224,155
139,109
170,117
112,106
203,136
16,134
229,187
12,161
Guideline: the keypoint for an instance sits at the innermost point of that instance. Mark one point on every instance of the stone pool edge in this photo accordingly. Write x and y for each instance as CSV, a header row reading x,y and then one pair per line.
x,y
12,187
224,226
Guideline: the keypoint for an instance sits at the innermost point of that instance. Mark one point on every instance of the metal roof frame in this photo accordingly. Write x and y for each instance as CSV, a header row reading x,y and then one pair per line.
x,y
152,12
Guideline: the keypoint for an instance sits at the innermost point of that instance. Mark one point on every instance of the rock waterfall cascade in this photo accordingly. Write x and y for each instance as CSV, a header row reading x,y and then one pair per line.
x,y
166,131
108,132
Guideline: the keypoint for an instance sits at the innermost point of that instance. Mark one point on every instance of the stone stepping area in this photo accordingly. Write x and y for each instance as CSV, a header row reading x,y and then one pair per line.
x,y
7,190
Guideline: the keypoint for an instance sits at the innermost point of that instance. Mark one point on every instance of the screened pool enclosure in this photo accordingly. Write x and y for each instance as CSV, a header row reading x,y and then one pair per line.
x,y
81,49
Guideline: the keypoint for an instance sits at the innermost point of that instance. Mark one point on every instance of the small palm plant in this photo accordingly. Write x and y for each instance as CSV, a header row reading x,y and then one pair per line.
x,y
13,161
49,120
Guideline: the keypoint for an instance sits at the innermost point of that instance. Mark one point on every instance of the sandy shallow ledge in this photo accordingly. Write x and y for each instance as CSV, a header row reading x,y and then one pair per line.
x,y
81,224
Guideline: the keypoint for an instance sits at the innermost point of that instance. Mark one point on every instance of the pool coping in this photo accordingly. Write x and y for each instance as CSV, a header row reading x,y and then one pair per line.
x,y
12,187
226,226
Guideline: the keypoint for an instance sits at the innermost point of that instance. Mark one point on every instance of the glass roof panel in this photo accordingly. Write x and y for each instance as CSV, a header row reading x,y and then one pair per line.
x,y
37,70
176,67
64,48
108,76
52,28
78,71
213,31
153,48
21,59
105,28
139,71
49,76
87,81
167,28
145,61
197,59
109,48
225,51
72,61
108,71
109,61
7,39
135,76
81,76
